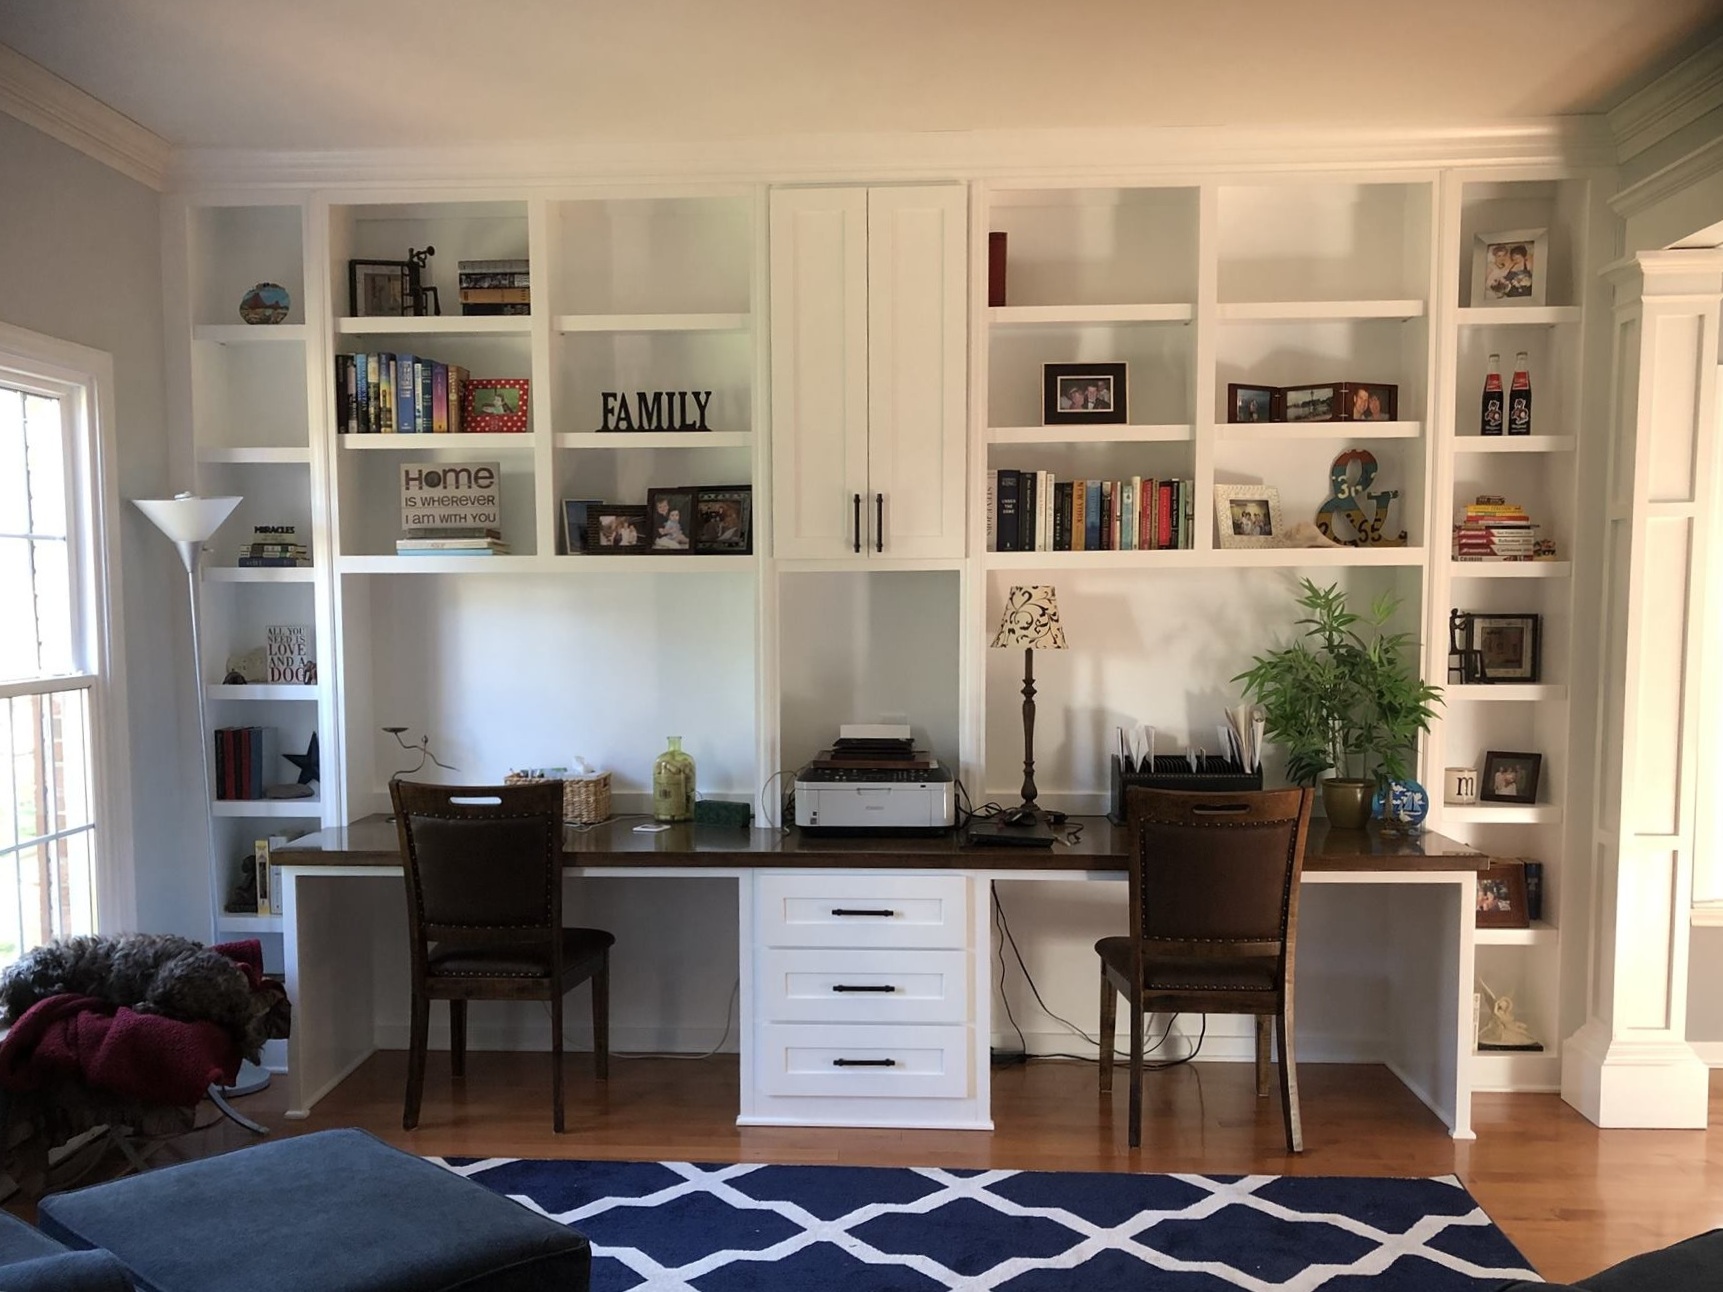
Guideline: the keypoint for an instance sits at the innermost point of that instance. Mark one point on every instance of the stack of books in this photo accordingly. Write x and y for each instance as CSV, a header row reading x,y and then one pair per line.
x,y
397,394
496,287
274,545
1494,529
452,540
1030,511
245,761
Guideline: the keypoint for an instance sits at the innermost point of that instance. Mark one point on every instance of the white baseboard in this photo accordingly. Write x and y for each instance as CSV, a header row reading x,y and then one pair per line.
x,y
1231,1045
1710,1052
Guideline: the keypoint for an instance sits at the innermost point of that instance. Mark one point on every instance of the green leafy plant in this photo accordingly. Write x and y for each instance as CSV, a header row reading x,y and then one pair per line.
x,y
1341,696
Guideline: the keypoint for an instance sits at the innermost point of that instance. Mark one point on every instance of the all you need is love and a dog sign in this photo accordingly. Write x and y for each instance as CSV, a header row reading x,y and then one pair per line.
x,y
450,495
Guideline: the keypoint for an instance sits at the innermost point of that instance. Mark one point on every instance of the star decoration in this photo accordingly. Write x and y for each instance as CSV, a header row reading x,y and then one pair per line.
x,y
307,763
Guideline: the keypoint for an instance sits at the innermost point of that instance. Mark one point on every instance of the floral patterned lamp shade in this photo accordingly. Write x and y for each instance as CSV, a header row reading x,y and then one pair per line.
x,y
1031,619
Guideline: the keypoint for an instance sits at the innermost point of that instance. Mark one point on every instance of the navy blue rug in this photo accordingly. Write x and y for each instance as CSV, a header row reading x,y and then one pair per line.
x,y
663,1226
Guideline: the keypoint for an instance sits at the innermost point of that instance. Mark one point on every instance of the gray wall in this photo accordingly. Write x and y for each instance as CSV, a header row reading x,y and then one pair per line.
x,y
80,260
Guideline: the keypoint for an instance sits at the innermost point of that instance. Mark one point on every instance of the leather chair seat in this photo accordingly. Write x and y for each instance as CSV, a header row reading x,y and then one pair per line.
x,y
1190,973
466,961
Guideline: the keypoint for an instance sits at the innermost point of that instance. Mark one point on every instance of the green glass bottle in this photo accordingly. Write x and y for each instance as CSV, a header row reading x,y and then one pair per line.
x,y
673,784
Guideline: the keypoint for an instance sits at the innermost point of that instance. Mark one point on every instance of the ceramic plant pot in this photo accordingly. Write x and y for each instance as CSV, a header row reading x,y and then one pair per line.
x,y
1347,803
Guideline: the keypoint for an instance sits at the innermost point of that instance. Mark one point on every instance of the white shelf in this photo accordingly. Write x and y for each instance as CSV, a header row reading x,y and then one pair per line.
x,y
437,325
1172,433
416,443
1318,430
1317,311
1517,316
298,456
1176,558
259,574
651,323
261,691
1501,814
1504,692
1517,1070
1514,444
642,563
1294,557
249,333
312,807
1510,569
1053,315
653,439
1538,935
228,922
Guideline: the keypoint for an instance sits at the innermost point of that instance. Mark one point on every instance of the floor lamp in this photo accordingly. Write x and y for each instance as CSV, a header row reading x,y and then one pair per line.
x,y
190,522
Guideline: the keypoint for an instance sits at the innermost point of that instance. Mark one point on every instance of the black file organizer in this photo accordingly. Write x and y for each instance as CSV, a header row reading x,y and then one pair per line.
x,y
1173,772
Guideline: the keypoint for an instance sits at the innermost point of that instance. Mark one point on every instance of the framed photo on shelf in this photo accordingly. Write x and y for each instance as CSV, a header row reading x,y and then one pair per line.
x,y
1504,648
1510,777
612,530
494,404
574,512
1310,403
1369,401
1251,403
670,519
1083,394
724,520
1247,515
1502,897
1510,268
379,288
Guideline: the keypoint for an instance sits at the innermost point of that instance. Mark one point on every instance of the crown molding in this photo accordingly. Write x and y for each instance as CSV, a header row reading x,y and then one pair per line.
x,y
1042,156
1678,98
1695,167
60,110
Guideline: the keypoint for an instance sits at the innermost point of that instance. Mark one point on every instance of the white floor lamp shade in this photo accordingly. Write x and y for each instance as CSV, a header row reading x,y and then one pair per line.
x,y
190,522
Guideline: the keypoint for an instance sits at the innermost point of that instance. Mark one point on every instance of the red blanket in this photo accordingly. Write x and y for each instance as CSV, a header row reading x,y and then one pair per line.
x,y
138,1056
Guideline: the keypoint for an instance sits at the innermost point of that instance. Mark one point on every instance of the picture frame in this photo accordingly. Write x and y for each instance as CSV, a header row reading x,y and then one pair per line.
x,y
1510,268
1504,647
1083,394
670,520
379,288
1318,402
617,529
724,520
1369,401
1247,515
1501,897
574,511
494,404
1247,404
1509,777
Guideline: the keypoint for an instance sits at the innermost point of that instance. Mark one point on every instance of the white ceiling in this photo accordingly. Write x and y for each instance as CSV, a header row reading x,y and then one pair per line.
x,y
339,74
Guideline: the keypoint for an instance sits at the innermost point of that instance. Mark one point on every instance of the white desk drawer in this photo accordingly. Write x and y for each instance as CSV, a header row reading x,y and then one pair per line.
x,y
905,1062
862,909
814,985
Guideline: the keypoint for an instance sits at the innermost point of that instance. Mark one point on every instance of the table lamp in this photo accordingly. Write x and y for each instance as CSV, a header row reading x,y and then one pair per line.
x,y
1031,620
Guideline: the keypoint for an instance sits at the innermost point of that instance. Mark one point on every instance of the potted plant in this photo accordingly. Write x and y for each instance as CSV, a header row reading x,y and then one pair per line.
x,y
1340,697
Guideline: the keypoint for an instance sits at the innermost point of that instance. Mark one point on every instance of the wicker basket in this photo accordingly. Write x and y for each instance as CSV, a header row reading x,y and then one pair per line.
x,y
585,801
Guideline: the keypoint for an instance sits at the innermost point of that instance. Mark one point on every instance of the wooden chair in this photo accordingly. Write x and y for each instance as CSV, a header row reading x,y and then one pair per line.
x,y
484,916
1214,922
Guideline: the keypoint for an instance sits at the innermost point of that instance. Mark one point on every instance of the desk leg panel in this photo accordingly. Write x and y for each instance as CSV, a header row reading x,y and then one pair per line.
x,y
328,944
1429,1045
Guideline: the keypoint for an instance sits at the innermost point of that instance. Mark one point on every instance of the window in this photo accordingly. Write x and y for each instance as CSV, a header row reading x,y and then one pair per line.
x,y
55,653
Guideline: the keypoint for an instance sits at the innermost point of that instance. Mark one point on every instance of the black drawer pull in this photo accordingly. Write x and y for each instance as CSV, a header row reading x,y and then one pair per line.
x,y
879,522
846,910
858,523
864,1063
880,987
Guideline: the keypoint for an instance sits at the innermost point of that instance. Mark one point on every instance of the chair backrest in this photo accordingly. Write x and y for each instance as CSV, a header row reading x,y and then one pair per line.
x,y
1216,874
483,862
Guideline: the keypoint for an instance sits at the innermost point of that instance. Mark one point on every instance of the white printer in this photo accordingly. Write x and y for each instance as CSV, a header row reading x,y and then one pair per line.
x,y
873,779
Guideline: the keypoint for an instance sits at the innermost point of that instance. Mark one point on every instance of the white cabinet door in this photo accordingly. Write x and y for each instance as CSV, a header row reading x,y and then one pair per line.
x,y
819,372
917,369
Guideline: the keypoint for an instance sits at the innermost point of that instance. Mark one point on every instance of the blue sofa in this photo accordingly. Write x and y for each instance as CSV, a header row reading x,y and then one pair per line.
x,y
30,1261
1692,1265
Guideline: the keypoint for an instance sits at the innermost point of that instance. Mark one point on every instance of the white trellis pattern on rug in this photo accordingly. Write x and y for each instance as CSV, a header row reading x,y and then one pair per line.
x,y
681,1227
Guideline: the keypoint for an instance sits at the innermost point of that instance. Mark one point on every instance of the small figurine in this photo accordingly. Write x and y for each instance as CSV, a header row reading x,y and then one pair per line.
x,y
1500,1030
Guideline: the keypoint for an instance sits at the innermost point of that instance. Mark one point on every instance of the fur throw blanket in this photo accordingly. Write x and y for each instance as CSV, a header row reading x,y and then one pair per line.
x,y
156,973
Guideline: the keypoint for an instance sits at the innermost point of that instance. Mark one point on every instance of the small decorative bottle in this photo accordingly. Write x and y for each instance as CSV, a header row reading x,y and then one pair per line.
x,y
1520,398
673,784
1491,421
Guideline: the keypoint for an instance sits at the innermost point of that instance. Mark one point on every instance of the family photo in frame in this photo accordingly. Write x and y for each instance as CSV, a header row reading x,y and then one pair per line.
x,y
1509,268
1501,901
698,519
1510,777
1247,515
1076,394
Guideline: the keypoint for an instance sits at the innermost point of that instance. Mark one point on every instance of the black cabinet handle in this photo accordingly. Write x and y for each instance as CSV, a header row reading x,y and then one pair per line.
x,y
864,1063
880,987
858,524
879,522
845,910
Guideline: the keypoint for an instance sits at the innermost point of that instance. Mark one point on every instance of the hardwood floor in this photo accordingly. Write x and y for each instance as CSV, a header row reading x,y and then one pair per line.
x,y
1572,1197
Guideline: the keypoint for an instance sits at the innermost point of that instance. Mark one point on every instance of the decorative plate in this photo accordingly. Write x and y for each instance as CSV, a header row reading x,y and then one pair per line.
x,y
265,303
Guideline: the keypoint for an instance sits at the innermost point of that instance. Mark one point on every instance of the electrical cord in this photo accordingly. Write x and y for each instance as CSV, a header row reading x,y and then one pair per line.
x,y
783,822
729,1014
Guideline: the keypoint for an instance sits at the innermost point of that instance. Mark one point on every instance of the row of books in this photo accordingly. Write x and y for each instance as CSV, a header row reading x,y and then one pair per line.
x,y
1030,511
452,540
245,760
496,287
1494,529
273,546
397,394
